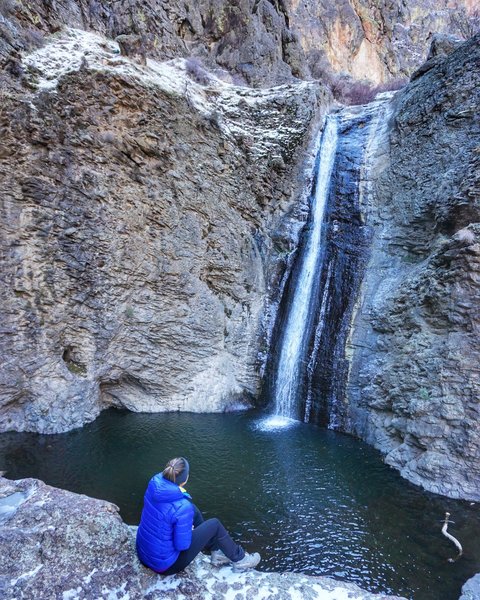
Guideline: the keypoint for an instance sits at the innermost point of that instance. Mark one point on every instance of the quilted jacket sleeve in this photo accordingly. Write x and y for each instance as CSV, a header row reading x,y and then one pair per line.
x,y
182,527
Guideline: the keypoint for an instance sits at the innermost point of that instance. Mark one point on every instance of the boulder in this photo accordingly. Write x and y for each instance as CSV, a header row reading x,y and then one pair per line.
x,y
471,588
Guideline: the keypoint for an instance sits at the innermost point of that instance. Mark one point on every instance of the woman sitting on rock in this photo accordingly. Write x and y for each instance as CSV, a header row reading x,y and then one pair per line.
x,y
172,530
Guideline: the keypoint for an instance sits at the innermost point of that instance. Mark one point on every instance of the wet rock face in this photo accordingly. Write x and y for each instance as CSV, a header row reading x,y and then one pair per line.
x,y
145,216
58,544
346,244
414,382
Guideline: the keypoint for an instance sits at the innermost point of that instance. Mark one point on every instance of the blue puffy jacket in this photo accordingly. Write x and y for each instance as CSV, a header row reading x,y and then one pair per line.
x,y
166,524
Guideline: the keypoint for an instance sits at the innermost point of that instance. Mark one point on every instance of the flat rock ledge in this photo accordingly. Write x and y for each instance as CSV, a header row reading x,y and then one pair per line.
x,y
57,544
471,588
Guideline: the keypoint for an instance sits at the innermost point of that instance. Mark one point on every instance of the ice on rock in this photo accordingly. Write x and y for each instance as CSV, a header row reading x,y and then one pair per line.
x,y
9,504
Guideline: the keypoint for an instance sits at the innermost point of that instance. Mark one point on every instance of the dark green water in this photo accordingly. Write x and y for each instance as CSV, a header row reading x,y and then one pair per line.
x,y
307,499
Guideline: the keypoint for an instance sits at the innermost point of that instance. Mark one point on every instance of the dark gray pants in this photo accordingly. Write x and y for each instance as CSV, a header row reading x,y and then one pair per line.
x,y
206,535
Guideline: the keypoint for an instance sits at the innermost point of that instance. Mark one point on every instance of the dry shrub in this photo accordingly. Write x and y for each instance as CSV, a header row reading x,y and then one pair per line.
x,y
344,88
466,24
196,71
349,91
352,92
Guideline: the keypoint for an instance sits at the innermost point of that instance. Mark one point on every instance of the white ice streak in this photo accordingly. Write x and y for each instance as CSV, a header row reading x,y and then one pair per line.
x,y
316,342
88,578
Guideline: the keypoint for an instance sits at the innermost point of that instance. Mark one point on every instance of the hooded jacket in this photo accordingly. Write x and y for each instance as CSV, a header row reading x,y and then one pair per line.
x,y
166,525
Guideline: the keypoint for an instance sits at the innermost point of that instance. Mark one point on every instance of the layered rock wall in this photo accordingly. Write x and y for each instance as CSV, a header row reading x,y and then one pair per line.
x,y
414,384
257,42
376,41
147,211
248,39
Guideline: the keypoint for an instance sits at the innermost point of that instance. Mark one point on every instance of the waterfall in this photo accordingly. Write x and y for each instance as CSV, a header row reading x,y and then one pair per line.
x,y
297,332
308,370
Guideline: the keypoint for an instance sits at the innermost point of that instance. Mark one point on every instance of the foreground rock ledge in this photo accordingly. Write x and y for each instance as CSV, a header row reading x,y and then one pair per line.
x,y
471,588
57,544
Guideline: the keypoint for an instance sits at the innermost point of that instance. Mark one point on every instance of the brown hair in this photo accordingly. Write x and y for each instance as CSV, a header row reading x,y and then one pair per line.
x,y
173,468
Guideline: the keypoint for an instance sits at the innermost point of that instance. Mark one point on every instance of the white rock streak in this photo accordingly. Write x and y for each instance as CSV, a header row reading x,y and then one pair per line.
x,y
32,573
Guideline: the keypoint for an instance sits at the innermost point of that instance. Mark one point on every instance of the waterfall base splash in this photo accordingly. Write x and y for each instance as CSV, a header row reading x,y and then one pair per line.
x,y
274,422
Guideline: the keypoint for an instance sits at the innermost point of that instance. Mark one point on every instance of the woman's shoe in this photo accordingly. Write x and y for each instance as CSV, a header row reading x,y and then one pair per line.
x,y
218,558
249,561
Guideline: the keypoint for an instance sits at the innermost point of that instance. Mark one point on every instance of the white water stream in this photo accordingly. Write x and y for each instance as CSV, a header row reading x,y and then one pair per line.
x,y
290,360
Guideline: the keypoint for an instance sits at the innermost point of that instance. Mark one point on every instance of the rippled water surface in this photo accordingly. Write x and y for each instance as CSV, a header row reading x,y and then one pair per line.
x,y
307,499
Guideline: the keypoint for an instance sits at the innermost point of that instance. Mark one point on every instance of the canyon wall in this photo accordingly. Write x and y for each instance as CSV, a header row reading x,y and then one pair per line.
x,y
147,210
257,42
414,383
376,41
248,40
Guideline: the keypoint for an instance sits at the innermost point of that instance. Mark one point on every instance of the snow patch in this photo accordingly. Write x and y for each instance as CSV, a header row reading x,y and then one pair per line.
x,y
66,52
88,578
251,116
9,504
32,573
263,586
115,593
164,584
72,594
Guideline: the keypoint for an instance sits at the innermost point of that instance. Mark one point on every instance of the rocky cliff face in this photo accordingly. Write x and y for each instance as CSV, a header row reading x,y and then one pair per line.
x,y
147,210
149,207
375,40
258,42
56,544
248,39
414,381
